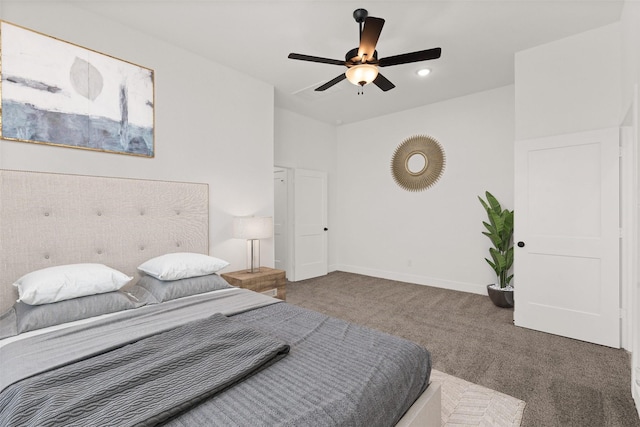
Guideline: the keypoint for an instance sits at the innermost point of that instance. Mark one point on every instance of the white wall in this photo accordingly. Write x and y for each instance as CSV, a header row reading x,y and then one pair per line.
x,y
569,85
304,143
212,124
630,52
434,236
375,226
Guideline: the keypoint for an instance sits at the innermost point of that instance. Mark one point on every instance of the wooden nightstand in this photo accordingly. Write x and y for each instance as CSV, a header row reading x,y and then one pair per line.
x,y
268,281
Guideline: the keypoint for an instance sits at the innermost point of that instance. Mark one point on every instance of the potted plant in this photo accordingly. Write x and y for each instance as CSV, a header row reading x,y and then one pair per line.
x,y
499,230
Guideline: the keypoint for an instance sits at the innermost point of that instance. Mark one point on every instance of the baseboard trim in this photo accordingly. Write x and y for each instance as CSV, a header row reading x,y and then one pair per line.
x,y
473,288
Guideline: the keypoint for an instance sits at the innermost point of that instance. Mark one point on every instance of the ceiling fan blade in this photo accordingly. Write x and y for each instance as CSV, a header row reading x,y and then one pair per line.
x,y
383,83
328,84
406,58
309,58
369,37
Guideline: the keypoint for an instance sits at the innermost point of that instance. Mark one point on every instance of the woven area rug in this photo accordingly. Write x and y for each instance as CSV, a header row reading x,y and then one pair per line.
x,y
469,404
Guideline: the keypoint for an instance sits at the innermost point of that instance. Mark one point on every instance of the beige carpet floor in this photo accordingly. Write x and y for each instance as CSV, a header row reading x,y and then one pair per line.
x,y
469,404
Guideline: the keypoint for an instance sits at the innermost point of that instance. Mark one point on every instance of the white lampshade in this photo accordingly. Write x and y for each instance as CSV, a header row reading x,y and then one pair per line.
x,y
362,74
252,227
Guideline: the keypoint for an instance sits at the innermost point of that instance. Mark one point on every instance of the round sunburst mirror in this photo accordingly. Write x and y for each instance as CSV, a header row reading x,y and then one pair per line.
x,y
417,163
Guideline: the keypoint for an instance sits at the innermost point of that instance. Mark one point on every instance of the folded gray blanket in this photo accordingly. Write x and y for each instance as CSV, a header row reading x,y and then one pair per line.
x,y
144,382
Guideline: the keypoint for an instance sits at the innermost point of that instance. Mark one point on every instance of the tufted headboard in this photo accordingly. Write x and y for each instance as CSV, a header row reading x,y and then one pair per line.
x,y
49,219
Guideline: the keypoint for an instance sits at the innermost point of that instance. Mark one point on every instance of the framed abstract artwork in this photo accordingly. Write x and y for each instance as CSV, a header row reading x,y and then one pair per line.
x,y
57,93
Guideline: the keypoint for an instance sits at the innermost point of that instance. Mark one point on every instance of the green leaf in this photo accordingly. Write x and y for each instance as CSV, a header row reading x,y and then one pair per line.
x,y
498,258
489,227
509,258
493,202
495,239
484,204
508,219
497,221
493,266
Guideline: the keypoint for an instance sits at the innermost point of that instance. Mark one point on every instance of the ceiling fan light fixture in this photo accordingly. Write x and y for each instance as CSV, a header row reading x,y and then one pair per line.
x,y
362,62
362,74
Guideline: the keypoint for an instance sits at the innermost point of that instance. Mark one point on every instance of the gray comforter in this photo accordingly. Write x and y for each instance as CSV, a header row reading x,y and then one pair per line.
x,y
145,382
336,373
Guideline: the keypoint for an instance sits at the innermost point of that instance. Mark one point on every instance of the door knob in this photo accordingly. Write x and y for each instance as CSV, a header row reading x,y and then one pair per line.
x,y
326,229
521,244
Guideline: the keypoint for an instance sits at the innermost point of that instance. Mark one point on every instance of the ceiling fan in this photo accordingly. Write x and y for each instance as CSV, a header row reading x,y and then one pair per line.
x,y
362,62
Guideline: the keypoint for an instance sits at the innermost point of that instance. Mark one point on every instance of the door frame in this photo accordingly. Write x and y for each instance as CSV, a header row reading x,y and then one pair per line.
x,y
630,245
629,237
288,209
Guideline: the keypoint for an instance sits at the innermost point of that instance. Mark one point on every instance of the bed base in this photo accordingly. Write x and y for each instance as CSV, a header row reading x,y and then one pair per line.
x,y
426,410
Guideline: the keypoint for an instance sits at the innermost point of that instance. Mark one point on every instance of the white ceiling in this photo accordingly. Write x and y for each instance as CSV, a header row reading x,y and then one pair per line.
x,y
478,39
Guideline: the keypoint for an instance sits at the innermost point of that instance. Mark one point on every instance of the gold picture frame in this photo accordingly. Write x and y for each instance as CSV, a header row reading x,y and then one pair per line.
x,y
418,163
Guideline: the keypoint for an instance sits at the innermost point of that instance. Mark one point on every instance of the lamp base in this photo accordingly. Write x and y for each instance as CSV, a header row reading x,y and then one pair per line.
x,y
253,256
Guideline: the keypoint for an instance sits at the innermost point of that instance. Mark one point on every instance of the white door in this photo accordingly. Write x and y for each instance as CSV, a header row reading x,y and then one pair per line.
x,y
567,217
310,224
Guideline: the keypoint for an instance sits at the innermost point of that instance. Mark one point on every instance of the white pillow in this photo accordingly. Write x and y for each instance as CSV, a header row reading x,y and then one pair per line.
x,y
68,281
181,265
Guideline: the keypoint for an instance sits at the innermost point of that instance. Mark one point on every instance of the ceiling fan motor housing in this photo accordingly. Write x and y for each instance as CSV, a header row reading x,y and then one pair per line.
x,y
352,58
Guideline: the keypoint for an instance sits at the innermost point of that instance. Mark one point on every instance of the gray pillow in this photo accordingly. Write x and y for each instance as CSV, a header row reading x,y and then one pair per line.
x,y
165,290
31,317
8,324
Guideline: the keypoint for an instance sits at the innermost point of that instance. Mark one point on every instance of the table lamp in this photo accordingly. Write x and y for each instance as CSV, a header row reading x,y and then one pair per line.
x,y
253,228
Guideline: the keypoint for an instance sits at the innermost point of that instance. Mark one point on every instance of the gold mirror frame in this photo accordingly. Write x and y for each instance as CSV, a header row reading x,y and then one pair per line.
x,y
434,162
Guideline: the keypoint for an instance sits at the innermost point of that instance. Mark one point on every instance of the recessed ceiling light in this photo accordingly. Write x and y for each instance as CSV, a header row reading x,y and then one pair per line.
x,y
423,72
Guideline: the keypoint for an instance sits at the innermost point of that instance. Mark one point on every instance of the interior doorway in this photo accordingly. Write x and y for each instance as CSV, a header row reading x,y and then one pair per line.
x,y
300,222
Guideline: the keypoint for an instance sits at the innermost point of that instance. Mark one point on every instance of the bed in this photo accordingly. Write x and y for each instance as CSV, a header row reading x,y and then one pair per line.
x,y
219,355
